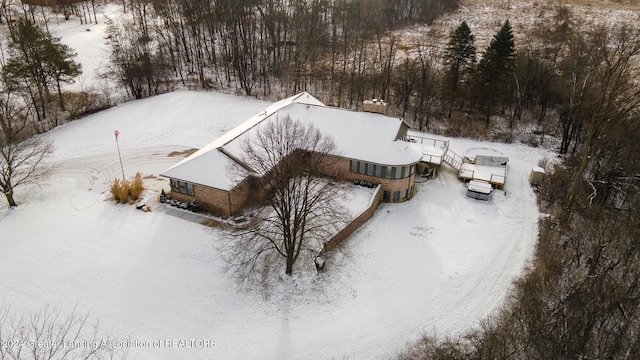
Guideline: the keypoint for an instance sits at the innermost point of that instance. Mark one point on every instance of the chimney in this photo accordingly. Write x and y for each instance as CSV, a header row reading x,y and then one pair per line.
x,y
375,106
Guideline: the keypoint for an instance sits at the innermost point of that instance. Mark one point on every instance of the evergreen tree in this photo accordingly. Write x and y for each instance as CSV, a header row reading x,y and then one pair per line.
x,y
38,62
460,57
495,70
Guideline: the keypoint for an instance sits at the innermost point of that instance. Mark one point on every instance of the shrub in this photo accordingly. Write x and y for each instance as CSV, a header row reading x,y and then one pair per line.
x,y
116,189
121,190
123,193
136,187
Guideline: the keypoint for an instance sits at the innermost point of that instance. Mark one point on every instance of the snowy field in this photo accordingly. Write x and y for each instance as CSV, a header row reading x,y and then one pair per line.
x,y
438,263
88,41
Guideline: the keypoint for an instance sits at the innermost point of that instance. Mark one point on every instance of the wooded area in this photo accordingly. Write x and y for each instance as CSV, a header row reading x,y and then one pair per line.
x,y
564,84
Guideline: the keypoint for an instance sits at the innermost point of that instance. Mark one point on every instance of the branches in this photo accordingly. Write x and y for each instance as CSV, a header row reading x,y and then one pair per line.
x,y
22,155
38,62
608,101
289,163
51,334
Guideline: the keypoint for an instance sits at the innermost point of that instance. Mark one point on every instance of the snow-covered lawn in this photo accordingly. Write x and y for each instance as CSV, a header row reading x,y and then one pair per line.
x,y
439,262
88,41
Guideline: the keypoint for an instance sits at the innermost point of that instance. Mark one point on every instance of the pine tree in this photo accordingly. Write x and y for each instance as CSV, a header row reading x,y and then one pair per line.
x,y
38,61
495,70
460,57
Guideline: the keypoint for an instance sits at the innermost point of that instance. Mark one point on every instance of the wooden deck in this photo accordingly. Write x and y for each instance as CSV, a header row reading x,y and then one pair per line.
x,y
489,168
433,150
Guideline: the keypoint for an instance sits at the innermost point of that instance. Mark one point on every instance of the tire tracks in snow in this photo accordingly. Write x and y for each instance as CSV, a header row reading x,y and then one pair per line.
x,y
94,173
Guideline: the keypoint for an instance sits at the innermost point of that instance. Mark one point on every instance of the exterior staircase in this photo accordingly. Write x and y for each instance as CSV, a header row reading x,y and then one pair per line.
x,y
452,159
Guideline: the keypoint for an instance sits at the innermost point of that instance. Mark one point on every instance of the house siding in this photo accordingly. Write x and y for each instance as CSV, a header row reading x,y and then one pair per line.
x,y
340,166
227,203
215,201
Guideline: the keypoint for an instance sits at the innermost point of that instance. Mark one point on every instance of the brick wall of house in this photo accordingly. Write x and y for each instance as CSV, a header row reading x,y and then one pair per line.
x,y
356,223
215,201
227,203
239,196
340,166
181,197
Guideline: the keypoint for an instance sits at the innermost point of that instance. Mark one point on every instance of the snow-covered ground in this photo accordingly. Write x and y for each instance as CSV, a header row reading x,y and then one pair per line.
x,y
88,41
439,262
527,18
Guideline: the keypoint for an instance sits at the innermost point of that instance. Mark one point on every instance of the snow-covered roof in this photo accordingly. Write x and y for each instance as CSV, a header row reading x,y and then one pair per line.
x,y
361,136
480,186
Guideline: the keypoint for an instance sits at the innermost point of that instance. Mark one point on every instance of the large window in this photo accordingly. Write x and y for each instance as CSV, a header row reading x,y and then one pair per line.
x,y
370,169
182,187
388,172
397,173
354,166
381,171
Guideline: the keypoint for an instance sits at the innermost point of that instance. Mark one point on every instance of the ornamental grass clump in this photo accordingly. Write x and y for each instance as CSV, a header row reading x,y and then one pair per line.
x,y
124,191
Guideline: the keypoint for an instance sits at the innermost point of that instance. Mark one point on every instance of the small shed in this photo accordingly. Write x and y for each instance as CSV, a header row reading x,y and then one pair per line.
x,y
479,189
536,176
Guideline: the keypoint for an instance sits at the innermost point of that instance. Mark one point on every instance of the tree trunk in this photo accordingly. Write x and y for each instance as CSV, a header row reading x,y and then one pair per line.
x,y
577,179
290,262
60,97
9,195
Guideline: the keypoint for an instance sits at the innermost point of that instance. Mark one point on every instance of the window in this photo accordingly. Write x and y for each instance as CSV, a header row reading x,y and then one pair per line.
x,y
182,187
370,169
388,172
386,196
396,195
404,194
381,171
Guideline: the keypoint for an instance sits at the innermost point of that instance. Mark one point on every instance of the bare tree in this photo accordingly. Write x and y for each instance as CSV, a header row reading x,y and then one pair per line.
x,y
289,163
51,334
22,156
609,98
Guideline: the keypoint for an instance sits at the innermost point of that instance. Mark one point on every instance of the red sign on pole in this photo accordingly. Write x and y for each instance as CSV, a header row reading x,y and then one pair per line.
x,y
117,133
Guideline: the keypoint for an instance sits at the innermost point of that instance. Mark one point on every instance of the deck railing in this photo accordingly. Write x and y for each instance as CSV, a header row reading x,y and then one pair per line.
x,y
452,159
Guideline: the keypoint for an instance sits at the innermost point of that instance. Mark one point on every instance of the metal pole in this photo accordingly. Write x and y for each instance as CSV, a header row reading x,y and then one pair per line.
x,y
120,157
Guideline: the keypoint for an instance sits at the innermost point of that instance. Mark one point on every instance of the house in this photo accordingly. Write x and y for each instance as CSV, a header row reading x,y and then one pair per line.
x,y
372,147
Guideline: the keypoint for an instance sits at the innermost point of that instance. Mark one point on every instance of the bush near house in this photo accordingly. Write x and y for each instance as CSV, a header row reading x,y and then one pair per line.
x,y
122,190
